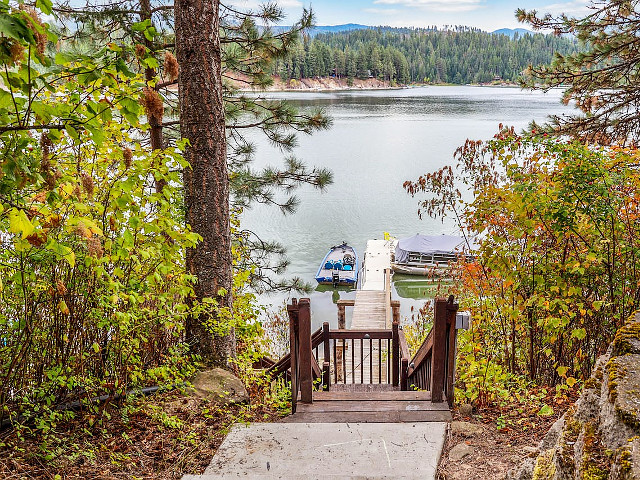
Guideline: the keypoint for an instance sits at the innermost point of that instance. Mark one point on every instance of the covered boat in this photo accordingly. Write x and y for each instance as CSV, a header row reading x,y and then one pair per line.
x,y
339,267
428,254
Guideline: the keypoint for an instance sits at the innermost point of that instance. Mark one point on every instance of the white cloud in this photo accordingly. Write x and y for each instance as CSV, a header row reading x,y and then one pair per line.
x,y
255,4
436,5
289,3
382,11
575,7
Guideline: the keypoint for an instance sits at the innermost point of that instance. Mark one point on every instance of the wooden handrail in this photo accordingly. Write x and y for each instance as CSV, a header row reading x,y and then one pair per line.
x,y
432,367
348,334
423,353
346,303
317,338
405,356
282,365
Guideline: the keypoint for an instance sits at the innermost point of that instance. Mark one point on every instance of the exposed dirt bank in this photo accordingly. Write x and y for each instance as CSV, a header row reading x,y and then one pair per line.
x,y
317,84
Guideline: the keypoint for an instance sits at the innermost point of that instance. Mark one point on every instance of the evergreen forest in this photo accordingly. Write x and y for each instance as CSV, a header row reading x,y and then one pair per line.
x,y
400,55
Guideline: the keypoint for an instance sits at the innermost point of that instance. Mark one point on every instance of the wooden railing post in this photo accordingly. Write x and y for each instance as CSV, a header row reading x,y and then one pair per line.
x,y
387,295
341,316
293,348
304,328
395,307
452,309
326,365
438,356
404,377
395,354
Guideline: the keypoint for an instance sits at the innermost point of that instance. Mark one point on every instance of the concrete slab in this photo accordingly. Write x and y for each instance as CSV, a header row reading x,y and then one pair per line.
x,y
329,450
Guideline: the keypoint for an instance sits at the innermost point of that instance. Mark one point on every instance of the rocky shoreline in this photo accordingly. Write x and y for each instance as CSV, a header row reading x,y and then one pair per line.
x,y
317,84
330,84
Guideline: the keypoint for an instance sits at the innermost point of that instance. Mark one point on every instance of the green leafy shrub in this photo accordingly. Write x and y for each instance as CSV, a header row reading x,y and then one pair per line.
x,y
93,292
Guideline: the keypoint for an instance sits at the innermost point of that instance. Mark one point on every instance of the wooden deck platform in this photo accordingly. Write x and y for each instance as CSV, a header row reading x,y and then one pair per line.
x,y
378,405
370,310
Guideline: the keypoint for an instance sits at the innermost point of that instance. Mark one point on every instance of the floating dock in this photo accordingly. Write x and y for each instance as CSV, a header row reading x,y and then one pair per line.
x,y
377,259
372,307
371,310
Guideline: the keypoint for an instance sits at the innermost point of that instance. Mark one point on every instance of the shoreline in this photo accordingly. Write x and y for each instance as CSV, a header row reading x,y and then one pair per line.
x,y
332,84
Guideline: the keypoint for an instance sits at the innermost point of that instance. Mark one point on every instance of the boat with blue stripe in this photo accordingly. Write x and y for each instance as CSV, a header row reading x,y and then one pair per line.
x,y
339,267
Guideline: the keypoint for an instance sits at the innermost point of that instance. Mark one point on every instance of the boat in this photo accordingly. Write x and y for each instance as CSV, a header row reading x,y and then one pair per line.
x,y
339,267
428,255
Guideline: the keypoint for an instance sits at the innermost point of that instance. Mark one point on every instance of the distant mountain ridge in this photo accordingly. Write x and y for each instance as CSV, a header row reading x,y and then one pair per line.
x,y
318,29
349,27
510,32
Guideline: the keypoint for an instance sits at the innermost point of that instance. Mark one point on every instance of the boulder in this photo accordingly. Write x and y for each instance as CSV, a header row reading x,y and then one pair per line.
x,y
524,471
465,410
466,429
459,451
220,386
599,436
552,435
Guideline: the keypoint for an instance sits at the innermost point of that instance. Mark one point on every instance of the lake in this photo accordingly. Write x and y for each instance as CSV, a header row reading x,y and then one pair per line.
x,y
378,140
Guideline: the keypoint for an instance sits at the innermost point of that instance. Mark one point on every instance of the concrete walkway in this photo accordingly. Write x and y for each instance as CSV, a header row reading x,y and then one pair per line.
x,y
328,451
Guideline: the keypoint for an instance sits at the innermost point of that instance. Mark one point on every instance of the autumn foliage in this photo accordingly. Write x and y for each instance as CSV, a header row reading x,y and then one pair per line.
x,y
558,242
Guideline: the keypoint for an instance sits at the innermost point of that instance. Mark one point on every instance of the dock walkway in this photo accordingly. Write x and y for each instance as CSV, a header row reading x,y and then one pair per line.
x,y
377,259
372,310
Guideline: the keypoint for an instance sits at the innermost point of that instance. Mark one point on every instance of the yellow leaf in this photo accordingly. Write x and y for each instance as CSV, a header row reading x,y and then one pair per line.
x,y
20,223
562,371
63,307
571,381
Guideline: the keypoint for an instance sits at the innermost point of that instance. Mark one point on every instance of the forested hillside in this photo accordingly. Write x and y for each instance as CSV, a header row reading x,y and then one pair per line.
x,y
460,56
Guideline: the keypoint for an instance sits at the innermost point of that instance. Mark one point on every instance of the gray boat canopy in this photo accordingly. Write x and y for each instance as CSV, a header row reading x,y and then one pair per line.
x,y
428,244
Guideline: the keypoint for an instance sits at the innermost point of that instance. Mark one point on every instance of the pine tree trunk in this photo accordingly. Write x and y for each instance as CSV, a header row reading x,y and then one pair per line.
x,y
207,182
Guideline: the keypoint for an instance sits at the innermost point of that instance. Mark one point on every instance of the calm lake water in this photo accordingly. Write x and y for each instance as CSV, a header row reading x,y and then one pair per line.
x,y
378,140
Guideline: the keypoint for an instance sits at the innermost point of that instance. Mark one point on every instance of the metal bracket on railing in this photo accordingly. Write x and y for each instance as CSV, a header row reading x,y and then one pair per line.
x,y
463,321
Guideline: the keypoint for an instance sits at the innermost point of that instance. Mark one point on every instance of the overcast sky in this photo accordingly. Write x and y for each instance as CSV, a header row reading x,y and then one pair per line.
x,y
485,14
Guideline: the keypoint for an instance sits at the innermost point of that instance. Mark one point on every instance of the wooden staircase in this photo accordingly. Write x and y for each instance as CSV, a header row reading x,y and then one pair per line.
x,y
362,407
368,375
